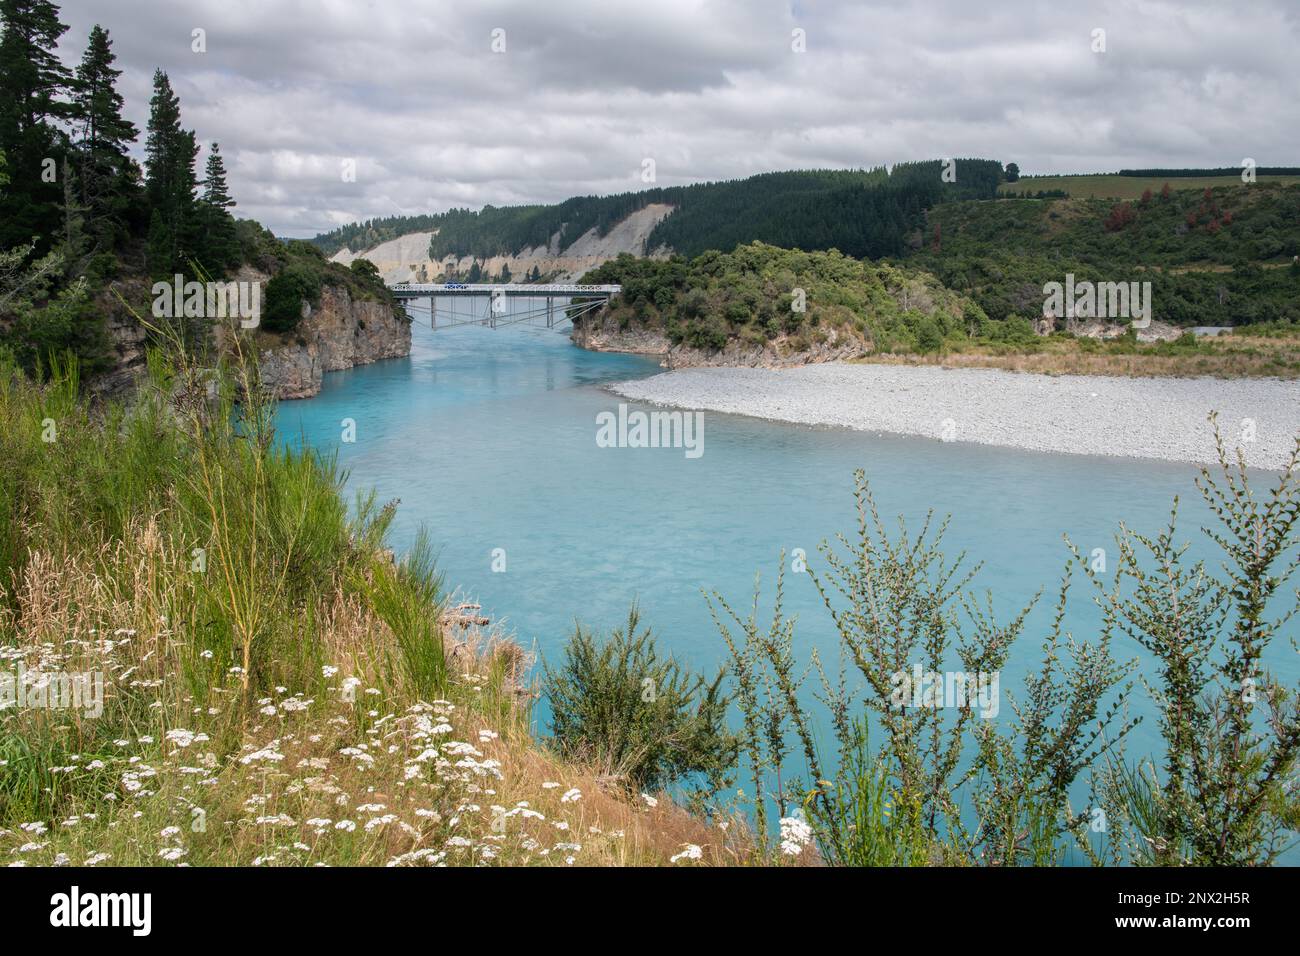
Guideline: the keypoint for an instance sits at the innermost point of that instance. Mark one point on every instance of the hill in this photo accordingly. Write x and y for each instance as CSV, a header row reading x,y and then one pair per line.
x,y
763,305
1131,186
1215,257
865,213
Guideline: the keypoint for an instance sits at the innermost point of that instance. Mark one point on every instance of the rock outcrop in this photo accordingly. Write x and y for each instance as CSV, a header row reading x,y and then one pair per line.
x,y
604,333
336,334
1103,330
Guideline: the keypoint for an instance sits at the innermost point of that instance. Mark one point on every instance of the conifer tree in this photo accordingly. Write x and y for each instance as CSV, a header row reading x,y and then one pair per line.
x,y
170,153
32,82
108,174
219,242
215,191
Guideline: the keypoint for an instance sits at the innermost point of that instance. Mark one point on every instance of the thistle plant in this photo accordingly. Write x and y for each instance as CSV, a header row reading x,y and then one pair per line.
x,y
944,785
1231,729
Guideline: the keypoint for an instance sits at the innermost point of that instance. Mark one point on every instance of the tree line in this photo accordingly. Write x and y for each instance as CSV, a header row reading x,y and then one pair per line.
x,y
74,204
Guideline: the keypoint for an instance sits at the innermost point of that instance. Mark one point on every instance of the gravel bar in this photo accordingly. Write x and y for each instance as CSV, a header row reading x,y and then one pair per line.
x,y
1162,418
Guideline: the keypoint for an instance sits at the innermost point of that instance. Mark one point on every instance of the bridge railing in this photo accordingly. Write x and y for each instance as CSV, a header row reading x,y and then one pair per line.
x,y
461,288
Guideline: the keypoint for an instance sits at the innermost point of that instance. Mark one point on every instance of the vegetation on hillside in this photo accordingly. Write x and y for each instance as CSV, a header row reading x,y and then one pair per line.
x,y
760,294
76,212
1126,187
860,212
752,297
84,232
1258,351
1216,257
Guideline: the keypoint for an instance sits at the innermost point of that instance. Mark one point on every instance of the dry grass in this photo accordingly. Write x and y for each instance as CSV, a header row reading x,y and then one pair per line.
x,y
453,781
1228,357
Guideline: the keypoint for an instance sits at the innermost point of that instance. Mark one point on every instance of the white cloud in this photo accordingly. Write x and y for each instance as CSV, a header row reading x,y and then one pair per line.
x,y
588,88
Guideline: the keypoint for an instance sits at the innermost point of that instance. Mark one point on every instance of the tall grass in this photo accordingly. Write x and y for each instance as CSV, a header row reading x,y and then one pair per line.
x,y
278,688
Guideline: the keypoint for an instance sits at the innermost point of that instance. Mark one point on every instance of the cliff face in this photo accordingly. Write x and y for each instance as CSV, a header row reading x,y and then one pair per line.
x,y
604,333
406,258
336,334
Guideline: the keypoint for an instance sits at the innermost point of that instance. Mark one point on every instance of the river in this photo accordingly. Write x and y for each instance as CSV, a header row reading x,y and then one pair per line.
x,y
488,438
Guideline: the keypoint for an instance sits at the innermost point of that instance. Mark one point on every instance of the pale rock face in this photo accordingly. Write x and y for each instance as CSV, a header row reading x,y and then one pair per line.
x,y
406,258
338,334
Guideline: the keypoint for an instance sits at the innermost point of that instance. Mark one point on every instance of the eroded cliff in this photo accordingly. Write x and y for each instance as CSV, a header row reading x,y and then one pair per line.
x,y
338,333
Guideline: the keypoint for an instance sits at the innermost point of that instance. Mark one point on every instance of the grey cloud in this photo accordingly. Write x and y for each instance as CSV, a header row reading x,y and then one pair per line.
x,y
588,88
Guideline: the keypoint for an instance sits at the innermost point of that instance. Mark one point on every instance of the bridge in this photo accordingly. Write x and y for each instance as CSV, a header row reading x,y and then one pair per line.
x,y
540,302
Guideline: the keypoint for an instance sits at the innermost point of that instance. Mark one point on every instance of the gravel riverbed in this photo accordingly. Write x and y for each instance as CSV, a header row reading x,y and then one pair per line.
x,y
1077,414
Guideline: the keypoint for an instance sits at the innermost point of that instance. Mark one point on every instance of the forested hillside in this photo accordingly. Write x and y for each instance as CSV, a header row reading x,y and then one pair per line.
x,y
1219,256
861,212
1216,255
76,212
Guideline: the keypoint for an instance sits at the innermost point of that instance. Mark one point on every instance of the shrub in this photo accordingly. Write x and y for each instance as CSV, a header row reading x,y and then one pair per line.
x,y
651,721
285,294
895,601
948,788
1223,794
929,338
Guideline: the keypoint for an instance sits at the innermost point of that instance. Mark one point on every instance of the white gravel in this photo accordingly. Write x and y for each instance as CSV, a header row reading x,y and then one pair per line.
x,y
1077,414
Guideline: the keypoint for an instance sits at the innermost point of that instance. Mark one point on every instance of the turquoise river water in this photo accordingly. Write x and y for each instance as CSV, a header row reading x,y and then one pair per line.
x,y
488,438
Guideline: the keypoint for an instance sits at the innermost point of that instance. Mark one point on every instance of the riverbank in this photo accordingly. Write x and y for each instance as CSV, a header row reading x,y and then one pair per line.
x,y
340,709
1160,418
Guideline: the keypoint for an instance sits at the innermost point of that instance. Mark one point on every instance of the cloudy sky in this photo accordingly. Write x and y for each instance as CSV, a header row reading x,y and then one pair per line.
x,y
578,93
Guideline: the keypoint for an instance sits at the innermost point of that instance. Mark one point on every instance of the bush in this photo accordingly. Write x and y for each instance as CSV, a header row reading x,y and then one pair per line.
x,y
943,786
929,338
286,292
618,705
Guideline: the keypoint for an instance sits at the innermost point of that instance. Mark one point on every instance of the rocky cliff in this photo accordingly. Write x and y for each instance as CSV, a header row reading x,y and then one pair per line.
x,y
406,258
605,333
337,333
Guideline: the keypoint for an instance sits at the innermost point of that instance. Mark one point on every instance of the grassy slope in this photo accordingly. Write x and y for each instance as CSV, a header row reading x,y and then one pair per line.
x,y
1246,354
1101,186
229,734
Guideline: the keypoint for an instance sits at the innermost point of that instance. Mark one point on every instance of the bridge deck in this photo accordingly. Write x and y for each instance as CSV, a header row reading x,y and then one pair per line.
x,y
420,290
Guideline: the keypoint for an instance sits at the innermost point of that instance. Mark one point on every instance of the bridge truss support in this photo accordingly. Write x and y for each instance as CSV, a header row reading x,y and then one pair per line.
x,y
532,309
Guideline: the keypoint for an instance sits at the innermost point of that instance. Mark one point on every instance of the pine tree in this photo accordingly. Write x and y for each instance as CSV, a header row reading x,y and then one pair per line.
x,y
219,243
160,246
108,174
32,81
170,153
215,191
